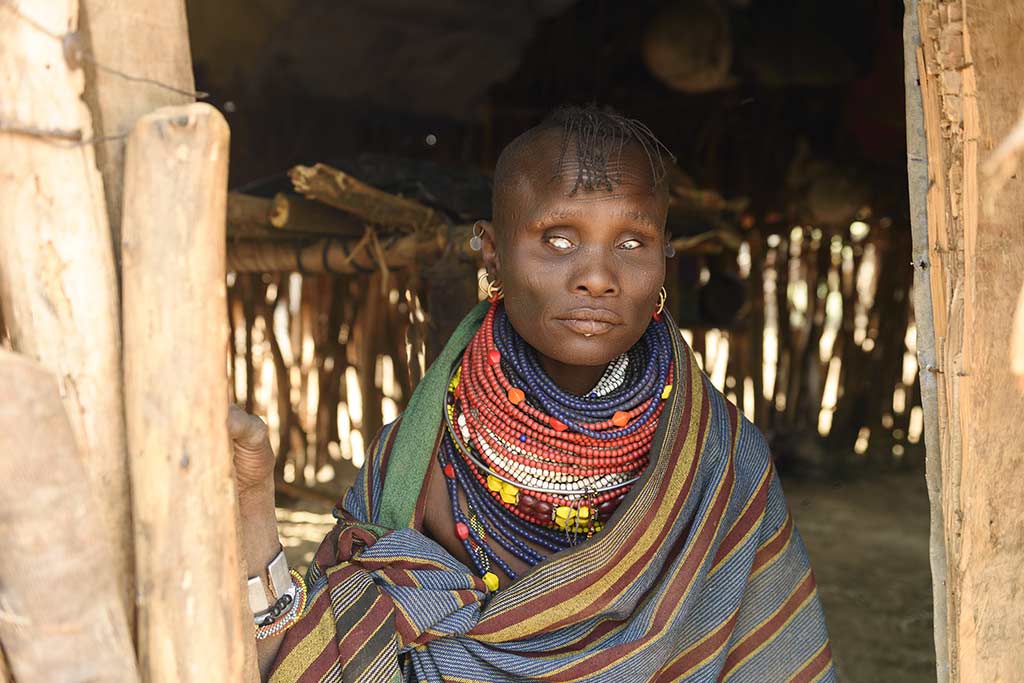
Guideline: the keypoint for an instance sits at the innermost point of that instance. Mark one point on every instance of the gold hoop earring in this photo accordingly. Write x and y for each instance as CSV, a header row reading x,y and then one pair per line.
x,y
491,288
662,296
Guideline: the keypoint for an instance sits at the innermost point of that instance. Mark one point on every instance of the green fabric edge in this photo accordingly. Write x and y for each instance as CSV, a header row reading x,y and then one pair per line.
x,y
417,433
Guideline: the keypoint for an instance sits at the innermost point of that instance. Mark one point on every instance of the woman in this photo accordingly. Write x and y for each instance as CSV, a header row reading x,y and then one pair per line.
x,y
566,497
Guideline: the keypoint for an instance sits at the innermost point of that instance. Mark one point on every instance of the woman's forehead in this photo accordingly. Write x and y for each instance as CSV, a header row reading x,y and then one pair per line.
x,y
559,196
546,181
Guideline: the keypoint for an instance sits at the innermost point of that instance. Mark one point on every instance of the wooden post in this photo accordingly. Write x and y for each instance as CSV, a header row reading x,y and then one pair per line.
x,y
58,288
63,619
148,41
971,76
191,625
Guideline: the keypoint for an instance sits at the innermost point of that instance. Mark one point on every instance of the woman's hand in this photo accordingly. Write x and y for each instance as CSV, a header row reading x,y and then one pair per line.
x,y
253,456
254,476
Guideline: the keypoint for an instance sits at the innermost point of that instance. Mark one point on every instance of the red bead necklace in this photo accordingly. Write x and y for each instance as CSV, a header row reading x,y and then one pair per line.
x,y
531,462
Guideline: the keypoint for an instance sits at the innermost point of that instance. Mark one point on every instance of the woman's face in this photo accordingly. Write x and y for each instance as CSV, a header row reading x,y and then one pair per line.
x,y
580,272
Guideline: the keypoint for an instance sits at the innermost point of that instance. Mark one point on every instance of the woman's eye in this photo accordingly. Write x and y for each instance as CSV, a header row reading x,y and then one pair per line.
x,y
630,244
559,242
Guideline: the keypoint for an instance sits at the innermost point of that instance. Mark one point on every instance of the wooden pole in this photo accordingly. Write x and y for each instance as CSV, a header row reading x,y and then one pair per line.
x,y
336,257
62,617
140,60
971,74
58,287
285,215
191,624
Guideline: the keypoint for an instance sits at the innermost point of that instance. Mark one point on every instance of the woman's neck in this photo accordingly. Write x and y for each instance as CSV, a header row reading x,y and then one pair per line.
x,y
578,380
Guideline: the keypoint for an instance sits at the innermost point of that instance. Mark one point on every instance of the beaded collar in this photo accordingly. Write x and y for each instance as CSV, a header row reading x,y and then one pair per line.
x,y
539,466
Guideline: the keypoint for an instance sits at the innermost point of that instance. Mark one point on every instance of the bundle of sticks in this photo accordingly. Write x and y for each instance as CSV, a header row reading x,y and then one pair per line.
x,y
336,223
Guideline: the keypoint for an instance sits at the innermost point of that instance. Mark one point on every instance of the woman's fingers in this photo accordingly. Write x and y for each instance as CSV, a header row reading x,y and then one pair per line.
x,y
247,430
253,455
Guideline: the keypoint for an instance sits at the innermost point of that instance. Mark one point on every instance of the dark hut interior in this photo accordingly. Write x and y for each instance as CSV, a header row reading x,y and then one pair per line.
x,y
363,134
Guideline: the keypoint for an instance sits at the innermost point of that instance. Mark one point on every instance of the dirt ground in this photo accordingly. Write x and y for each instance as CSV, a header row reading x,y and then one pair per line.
x,y
868,542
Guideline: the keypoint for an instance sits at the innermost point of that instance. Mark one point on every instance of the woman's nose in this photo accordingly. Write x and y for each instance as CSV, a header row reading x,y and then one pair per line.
x,y
595,276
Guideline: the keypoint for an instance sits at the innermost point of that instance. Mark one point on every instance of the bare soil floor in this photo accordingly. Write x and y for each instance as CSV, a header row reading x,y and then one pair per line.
x,y
868,542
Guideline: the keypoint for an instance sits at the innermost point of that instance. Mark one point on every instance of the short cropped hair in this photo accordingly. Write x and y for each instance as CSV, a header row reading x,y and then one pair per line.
x,y
599,136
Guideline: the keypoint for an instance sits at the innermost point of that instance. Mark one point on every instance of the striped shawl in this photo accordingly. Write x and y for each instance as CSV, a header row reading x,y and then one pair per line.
x,y
700,575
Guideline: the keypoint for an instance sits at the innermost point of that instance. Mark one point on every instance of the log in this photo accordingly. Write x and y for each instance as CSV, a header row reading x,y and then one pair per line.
x,y
287,217
340,190
972,86
191,625
148,41
331,256
63,619
248,212
295,214
58,287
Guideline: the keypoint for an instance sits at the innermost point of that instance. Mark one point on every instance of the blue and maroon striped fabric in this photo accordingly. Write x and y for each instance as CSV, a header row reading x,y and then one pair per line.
x,y
700,576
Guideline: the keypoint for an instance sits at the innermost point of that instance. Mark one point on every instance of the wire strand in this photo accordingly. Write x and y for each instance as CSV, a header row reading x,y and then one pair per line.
x,y
74,52
58,137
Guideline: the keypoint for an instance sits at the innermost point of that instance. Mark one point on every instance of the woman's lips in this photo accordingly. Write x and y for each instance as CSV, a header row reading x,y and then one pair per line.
x,y
587,328
590,321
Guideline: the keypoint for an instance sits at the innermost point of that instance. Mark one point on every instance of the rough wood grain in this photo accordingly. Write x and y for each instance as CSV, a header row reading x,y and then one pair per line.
x,y
190,619
973,87
63,620
922,171
1017,343
145,39
58,286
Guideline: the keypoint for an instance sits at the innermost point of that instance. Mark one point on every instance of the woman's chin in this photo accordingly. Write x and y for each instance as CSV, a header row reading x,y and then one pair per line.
x,y
586,351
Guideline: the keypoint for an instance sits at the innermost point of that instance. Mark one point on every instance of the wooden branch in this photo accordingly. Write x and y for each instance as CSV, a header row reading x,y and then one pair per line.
x,y
58,286
192,624
63,619
340,190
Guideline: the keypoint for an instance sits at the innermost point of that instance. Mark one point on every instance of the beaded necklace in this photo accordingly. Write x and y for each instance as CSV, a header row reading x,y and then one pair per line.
x,y
535,463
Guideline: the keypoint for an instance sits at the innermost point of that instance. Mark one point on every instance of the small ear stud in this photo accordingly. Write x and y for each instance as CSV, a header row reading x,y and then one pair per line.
x,y
475,242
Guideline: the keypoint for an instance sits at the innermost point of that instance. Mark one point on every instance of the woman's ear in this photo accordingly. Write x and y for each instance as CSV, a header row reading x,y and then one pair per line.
x,y
488,247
